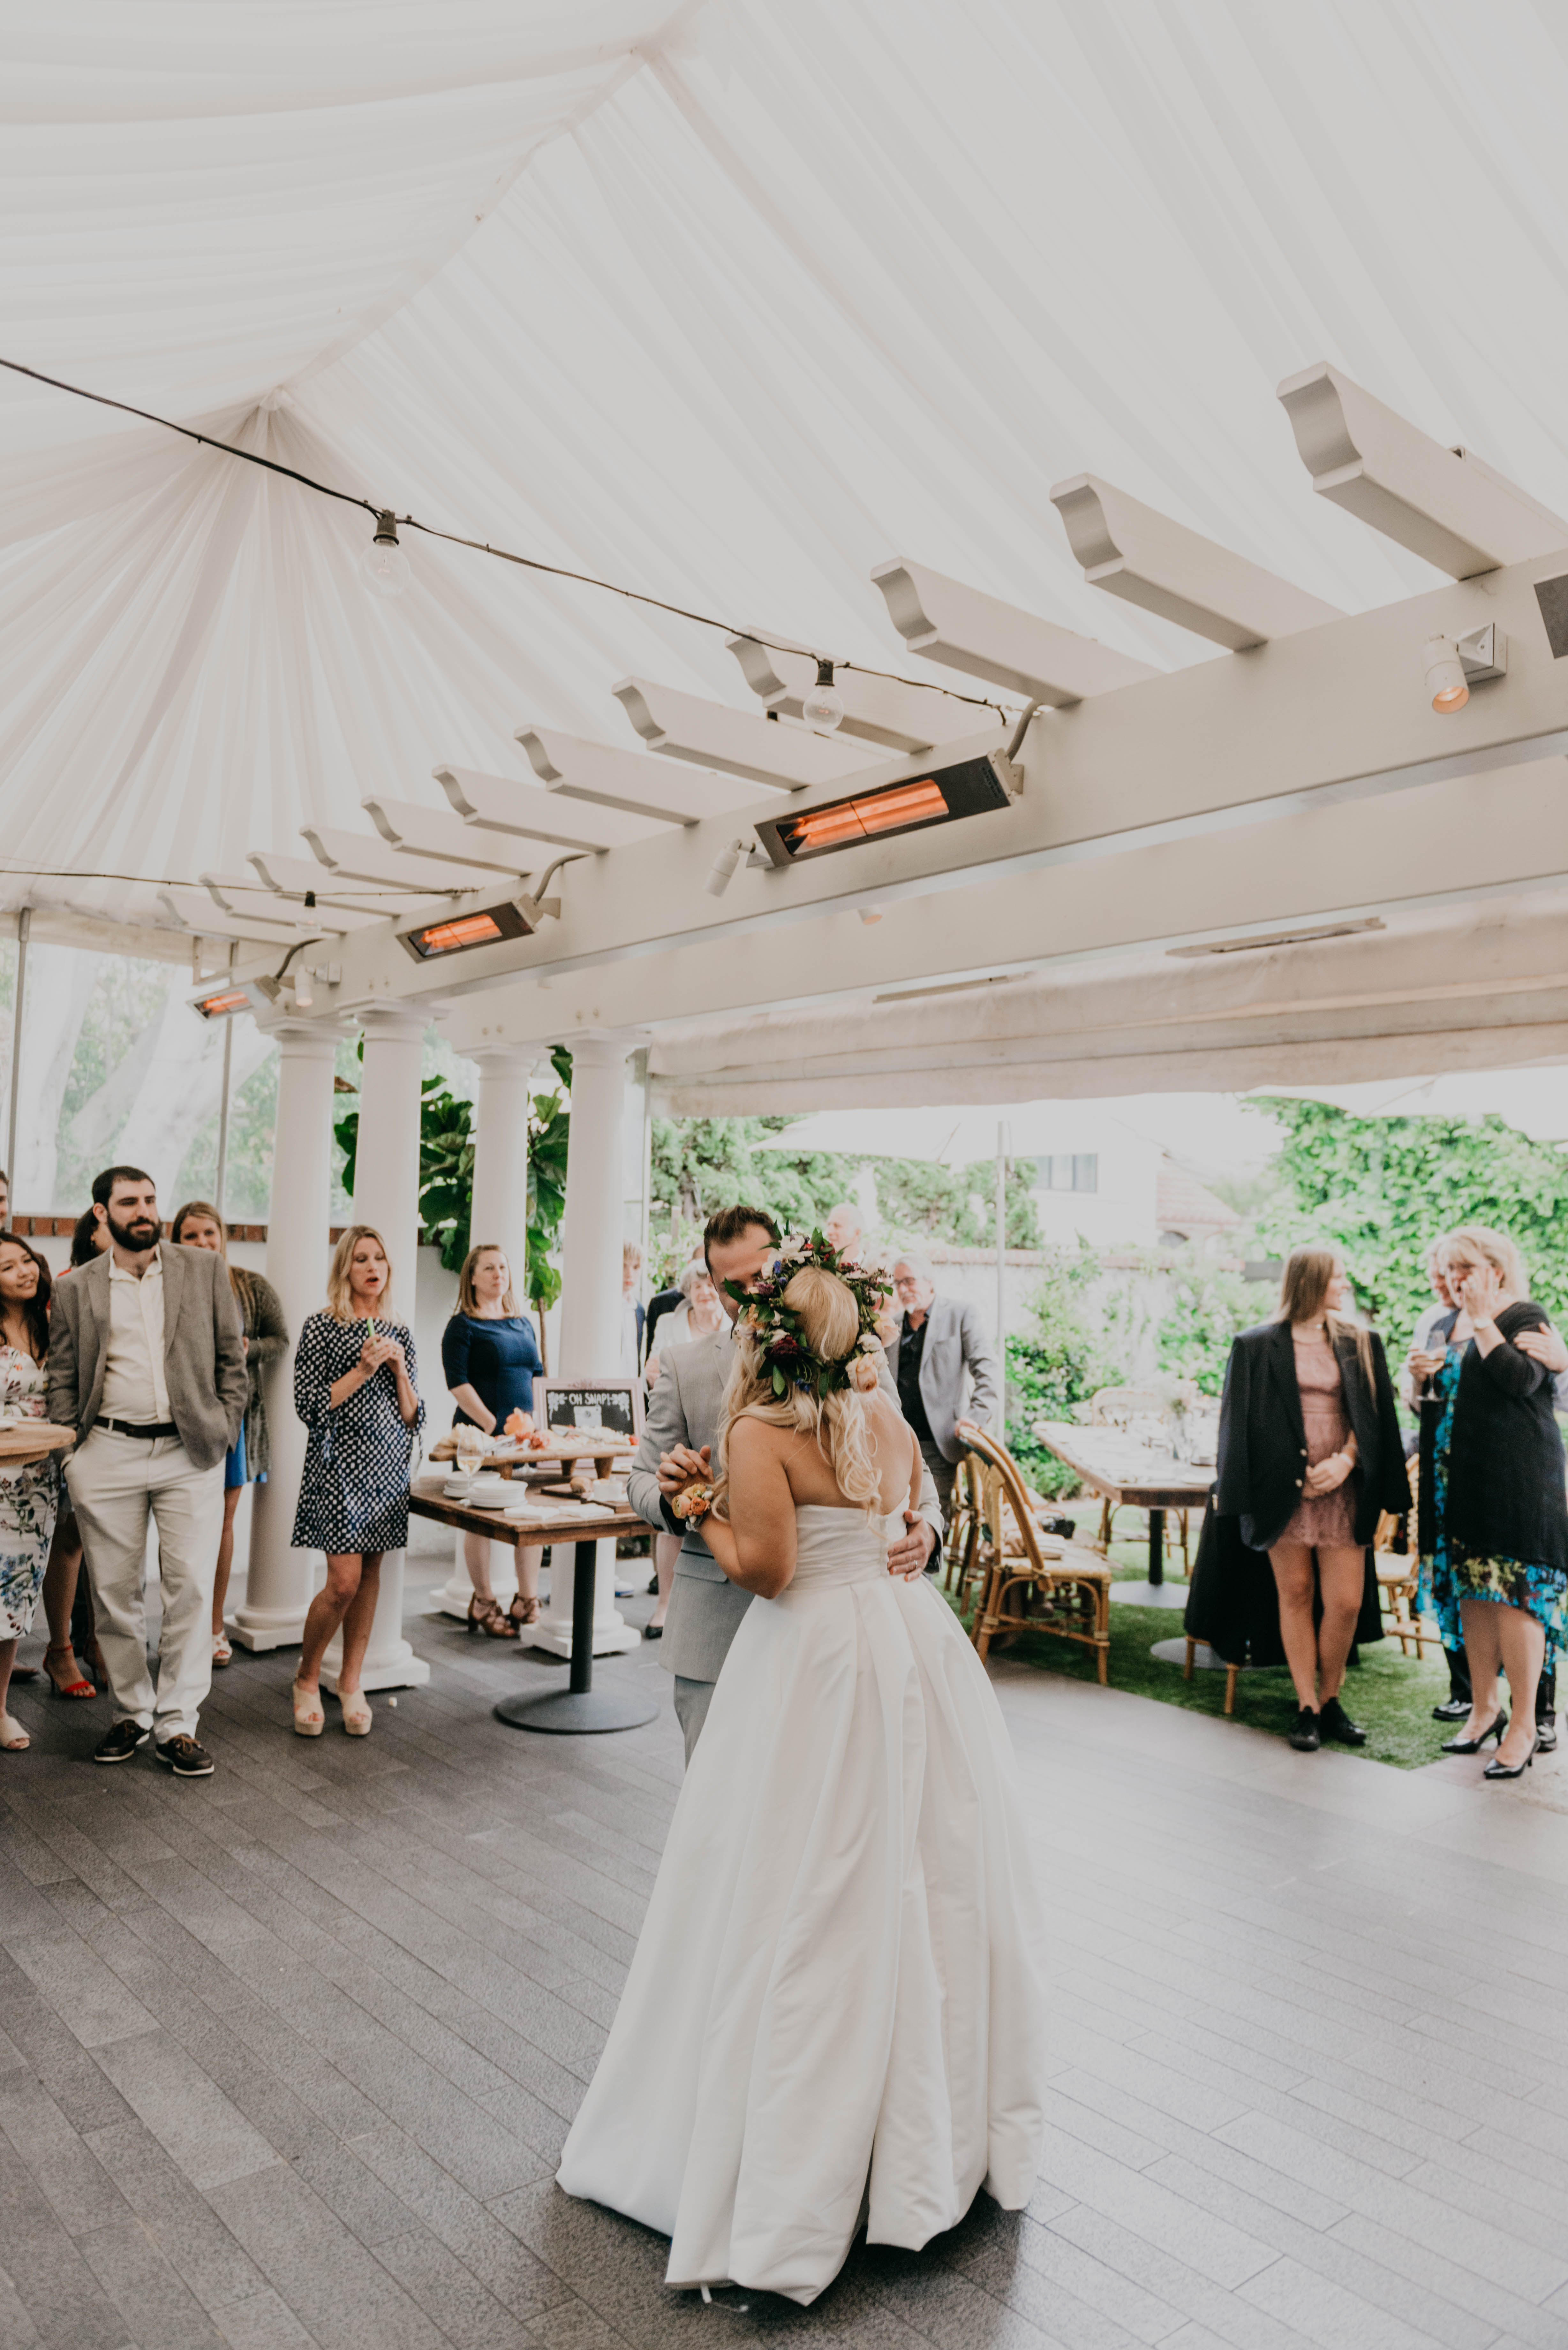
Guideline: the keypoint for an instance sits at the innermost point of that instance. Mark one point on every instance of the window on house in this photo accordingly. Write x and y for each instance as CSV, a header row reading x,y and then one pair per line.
x,y
1070,1170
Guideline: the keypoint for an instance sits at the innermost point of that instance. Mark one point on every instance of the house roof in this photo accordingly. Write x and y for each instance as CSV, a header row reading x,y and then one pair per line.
x,y
1183,1204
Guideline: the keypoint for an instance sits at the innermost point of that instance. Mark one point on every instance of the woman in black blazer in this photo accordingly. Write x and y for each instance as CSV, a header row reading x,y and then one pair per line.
x,y
1310,1454
1493,1514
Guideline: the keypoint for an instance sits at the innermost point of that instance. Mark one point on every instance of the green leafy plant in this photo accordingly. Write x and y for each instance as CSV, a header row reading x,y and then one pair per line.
x,y
1382,1189
549,1132
1059,1362
1210,1303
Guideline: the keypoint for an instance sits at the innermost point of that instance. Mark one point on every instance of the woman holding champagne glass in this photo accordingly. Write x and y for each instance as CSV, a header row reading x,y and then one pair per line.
x,y
355,1387
491,1358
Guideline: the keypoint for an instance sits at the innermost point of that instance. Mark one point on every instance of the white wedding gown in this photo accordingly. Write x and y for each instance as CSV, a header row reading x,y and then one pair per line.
x,y
835,2013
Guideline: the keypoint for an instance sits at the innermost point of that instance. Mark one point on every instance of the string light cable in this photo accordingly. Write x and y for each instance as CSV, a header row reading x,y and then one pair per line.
x,y
383,573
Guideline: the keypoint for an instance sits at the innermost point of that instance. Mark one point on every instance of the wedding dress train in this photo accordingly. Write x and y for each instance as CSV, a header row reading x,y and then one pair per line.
x,y
835,2013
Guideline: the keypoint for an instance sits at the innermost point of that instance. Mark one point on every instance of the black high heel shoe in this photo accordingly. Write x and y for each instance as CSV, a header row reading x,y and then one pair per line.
x,y
1496,1769
1494,1729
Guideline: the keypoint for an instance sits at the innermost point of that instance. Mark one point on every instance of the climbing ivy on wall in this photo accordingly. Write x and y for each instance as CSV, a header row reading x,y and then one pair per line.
x,y
1382,1189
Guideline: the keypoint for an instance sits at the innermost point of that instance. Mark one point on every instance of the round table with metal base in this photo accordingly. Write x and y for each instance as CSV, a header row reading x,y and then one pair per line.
x,y
579,1708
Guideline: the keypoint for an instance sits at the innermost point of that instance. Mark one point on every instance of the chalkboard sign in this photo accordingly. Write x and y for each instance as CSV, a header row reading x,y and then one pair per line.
x,y
589,1407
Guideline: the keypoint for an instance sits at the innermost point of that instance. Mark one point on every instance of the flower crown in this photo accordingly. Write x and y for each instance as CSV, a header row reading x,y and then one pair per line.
x,y
775,1329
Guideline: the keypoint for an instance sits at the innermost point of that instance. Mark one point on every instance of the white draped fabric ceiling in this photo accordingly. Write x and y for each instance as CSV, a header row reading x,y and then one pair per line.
x,y
728,304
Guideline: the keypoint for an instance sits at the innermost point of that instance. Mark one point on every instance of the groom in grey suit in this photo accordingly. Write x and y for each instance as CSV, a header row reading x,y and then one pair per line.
x,y
681,1427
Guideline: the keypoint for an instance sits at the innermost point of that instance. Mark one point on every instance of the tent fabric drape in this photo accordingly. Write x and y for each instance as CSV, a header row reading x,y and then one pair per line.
x,y
729,301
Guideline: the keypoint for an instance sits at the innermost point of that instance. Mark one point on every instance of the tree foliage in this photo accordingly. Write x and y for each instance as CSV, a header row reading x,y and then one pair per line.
x,y
1382,1189
958,1204
1060,1361
1210,1303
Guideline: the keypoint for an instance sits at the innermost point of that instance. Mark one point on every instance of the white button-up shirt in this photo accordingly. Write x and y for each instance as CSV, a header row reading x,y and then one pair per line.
x,y
134,1387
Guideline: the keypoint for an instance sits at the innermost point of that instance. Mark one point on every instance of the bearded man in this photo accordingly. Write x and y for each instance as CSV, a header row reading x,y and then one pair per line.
x,y
147,1364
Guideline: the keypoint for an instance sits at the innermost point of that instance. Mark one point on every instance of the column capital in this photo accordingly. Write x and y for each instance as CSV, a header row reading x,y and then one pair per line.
x,y
502,1056
599,1052
294,1033
393,1020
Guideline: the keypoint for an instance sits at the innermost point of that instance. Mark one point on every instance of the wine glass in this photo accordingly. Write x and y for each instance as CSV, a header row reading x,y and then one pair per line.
x,y
468,1442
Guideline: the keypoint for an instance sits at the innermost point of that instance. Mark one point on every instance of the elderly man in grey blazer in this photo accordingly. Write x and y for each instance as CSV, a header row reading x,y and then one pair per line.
x,y
147,1364
938,1347
677,1436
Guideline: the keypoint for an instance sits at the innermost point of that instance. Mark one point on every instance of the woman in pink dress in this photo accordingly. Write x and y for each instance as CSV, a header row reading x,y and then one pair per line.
x,y
1311,1453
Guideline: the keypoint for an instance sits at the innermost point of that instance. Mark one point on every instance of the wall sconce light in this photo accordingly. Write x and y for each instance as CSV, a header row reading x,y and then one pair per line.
x,y
1454,664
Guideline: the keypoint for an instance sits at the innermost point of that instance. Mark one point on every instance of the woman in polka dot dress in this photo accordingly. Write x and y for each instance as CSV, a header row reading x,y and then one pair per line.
x,y
356,1388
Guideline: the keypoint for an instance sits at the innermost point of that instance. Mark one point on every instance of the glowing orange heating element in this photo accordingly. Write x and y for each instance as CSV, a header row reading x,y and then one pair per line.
x,y
235,1001
470,931
860,819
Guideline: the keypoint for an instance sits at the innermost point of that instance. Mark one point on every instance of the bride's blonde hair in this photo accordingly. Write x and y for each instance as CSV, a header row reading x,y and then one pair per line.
x,y
829,1319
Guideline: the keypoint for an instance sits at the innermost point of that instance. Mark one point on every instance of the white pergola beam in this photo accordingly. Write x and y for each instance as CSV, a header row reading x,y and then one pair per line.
x,y
363,857
965,629
1442,504
1477,834
878,710
243,899
1132,551
293,877
632,781
1336,712
194,910
439,839
711,734
499,804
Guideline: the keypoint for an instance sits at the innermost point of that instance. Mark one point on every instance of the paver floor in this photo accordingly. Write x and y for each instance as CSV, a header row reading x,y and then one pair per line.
x,y
287,2058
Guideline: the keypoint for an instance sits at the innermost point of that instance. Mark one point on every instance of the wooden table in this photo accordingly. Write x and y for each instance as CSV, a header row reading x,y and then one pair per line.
x,y
579,1707
1110,1466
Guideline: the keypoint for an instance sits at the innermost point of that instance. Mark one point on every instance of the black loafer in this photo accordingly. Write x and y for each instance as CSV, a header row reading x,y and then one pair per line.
x,y
119,1743
1335,1722
185,1758
1305,1737
1546,1734
1453,1708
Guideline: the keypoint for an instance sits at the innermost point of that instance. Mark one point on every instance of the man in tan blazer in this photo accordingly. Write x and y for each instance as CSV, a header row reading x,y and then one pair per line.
x,y
147,1364
678,1437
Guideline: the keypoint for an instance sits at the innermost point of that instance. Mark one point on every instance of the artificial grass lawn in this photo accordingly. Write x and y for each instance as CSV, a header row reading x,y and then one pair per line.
x,y
1389,1694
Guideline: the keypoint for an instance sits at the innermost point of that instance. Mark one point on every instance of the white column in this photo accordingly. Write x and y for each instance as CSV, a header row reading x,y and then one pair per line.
x,y
500,1216
387,1195
591,1305
281,1579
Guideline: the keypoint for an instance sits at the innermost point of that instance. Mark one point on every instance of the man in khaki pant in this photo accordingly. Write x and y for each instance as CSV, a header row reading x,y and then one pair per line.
x,y
147,1364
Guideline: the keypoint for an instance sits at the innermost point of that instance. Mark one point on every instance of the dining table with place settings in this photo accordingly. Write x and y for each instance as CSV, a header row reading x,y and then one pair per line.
x,y
1127,1466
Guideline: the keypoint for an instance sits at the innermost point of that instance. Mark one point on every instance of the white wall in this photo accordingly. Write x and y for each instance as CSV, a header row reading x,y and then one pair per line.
x,y
1121,1211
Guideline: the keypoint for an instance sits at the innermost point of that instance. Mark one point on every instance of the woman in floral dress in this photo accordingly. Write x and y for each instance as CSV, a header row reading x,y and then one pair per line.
x,y
30,1491
1493,1517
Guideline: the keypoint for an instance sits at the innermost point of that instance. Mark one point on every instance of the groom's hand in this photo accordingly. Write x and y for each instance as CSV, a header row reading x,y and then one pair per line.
x,y
908,1557
680,1465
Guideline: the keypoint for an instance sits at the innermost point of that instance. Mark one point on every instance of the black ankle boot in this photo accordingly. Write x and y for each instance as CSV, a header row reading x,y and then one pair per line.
x,y
1306,1737
1335,1722
1546,1712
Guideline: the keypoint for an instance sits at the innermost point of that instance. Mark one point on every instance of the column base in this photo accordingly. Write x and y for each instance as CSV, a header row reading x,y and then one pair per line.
x,y
451,1597
264,1629
613,1635
390,1662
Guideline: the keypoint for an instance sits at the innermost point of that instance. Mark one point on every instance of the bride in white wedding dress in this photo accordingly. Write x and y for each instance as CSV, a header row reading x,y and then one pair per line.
x,y
835,2016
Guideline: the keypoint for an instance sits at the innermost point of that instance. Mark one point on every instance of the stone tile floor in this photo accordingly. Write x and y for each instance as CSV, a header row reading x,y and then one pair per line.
x,y
287,2058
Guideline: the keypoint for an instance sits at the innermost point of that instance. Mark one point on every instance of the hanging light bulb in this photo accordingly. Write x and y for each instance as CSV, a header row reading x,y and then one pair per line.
x,y
383,563
822,708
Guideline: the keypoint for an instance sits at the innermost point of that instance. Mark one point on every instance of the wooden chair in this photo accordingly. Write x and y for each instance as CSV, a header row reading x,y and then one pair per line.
x,y
962,1548
1398,1575
1231,1673
1107,1404
1071,1586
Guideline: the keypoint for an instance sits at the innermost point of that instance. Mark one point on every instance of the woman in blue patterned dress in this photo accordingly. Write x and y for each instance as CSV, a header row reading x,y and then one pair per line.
x,y
1493,1513
356,1388
30,1491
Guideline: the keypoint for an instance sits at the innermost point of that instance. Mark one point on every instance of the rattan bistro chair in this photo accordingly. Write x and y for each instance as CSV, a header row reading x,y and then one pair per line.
x,y
1398,1575
960,1561
1070,1585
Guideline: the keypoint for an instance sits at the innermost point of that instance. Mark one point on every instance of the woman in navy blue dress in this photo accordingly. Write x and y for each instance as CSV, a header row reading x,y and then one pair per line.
x,y
491,1358
355,1387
